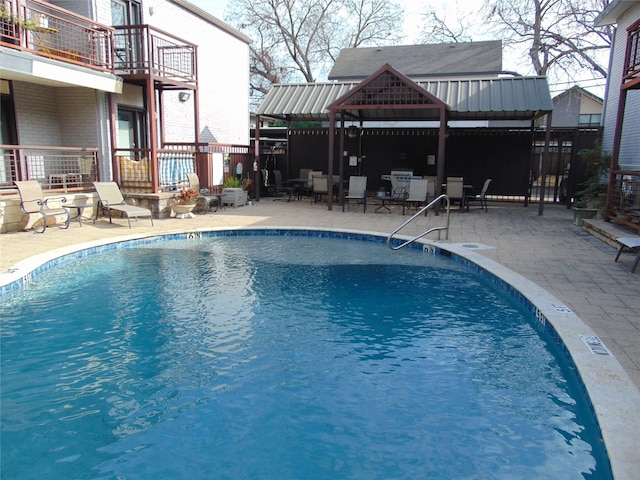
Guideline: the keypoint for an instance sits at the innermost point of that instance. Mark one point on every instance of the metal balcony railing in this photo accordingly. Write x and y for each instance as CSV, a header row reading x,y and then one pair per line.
x,y
54,32
56,168
624,198
143,50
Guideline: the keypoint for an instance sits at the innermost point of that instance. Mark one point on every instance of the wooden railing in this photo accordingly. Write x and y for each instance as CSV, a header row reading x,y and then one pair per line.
x,y
54,32
624,198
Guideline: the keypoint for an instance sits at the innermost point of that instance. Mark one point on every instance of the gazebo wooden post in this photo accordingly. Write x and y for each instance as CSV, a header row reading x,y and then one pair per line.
x,y
341,156
545,162
256,161
442,138
332,129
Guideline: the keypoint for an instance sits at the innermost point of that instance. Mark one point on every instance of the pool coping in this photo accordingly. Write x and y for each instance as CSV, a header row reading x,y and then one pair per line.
x,y
612,394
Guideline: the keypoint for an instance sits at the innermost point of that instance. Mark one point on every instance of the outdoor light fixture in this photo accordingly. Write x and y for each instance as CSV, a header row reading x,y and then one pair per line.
x,y
353,131
184,96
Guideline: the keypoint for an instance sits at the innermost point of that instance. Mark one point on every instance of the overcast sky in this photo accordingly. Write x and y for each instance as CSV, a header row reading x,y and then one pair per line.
x,y
511,61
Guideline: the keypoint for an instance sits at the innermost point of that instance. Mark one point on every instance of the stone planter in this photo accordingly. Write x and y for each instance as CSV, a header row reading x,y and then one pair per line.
x,y
235,197
579,214
183,211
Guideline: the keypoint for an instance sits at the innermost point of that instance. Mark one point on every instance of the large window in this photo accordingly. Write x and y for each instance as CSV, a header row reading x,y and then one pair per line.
x,y
589,120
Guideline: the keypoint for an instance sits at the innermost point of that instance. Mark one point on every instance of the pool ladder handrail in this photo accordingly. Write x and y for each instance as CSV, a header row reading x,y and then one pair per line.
x,y
434,202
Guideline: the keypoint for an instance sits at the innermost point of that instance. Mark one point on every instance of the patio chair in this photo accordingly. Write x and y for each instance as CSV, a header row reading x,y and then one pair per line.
x,y
455,190
481,197
281,191
357,191
320,187
631,243
209,201
418,190
110,198
398,191
32,201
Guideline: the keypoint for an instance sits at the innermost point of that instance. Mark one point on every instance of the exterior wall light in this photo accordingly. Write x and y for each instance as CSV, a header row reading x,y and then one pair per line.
x,y
184,96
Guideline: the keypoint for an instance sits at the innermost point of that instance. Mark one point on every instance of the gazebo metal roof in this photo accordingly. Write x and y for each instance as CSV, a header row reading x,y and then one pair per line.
x,y
509,98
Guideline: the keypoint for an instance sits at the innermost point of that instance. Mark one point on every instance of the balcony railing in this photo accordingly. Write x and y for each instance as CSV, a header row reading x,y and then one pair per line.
x,y
143,50
631,77
624,198
54,32
56,168
135,169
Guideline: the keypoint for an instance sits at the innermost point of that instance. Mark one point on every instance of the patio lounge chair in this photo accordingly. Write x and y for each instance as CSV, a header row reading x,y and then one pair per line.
x,y
32,201
110,198
631,243
357,191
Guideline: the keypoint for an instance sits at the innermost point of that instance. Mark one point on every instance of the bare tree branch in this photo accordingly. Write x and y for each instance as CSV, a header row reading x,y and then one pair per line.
x,y
302,38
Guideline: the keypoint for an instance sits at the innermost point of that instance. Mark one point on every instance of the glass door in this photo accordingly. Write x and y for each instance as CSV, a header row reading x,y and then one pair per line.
x,y
127,41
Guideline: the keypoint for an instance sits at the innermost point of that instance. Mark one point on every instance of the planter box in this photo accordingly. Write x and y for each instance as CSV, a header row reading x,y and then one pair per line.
x,y
236,197
580,214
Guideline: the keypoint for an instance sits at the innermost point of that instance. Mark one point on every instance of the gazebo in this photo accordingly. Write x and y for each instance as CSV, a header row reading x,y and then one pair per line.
x,y
390,96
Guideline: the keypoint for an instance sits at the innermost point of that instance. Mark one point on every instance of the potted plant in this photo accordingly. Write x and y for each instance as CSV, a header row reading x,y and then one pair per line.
x,y
590,201
184,203
233,192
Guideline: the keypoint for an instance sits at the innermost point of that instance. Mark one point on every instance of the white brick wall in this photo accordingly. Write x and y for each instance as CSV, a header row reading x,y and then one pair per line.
x,y
630,146
56,116
223,73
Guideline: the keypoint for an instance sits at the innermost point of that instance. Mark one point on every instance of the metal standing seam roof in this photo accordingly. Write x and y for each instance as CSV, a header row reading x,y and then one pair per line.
x,y
509,98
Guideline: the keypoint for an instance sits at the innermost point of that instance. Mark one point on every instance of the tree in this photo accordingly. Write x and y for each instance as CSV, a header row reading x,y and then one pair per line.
x,y
556,36
300,39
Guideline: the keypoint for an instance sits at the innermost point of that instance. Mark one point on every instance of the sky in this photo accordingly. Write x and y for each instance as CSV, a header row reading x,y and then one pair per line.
x,y
413,9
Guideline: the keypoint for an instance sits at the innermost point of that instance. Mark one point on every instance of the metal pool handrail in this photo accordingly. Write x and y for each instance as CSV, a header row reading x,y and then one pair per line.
x,y
433,203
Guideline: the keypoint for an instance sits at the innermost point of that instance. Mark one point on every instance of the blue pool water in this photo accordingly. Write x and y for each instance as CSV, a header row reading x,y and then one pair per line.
x,y
283,357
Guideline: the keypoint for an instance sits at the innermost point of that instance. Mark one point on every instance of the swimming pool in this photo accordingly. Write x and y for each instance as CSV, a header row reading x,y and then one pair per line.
x,y
158,389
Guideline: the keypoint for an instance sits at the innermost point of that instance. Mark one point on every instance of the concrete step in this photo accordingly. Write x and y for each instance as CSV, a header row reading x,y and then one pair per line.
x,y
607,231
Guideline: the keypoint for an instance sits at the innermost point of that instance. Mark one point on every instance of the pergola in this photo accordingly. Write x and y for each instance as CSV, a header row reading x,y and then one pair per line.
x,y
389,95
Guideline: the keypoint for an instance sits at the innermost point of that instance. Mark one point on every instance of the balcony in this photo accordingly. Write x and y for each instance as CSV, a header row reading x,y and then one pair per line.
x,y
142,51
56,168
631,75
53,32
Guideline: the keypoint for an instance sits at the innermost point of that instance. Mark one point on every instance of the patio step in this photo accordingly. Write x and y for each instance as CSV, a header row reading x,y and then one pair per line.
x,y
607,231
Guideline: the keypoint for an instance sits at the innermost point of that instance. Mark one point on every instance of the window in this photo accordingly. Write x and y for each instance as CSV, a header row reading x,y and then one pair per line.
x,y
132,131
589,119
